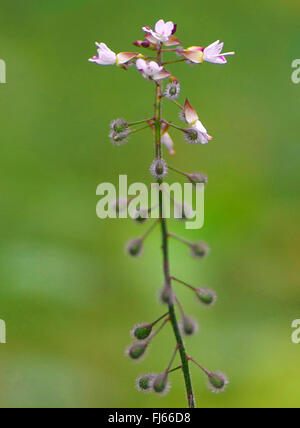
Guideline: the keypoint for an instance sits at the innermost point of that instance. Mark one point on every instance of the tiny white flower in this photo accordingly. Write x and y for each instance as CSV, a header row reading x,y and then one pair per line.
x,y
213,53
151,70
205,138
162,31
105,55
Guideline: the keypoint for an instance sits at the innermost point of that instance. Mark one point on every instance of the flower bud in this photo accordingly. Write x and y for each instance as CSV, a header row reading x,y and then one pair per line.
x,y
206,296
189,326
142,43
135,247
144,382
160,384
137,350
199,250
217,382
159,169
141,331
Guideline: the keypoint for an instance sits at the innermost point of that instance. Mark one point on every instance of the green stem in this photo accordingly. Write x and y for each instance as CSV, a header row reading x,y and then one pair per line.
x,y
178,104
165,249
159,319
173,62
174,126
174,370
180,239
134,131
183,283
139,121
178,171
150,230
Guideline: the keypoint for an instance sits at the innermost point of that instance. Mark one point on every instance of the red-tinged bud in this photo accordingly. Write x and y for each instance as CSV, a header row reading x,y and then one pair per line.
x,y
173,41
190,113
142,43
173,79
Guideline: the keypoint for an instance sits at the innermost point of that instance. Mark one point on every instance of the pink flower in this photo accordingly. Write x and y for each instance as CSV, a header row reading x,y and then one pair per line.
x,y
162,31
151,70
213,53
107,57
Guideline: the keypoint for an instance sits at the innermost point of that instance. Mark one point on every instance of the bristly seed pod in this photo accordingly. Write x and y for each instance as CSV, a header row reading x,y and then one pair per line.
x,y
159,169
137,350
166,295
182,116
199,250
189,326
192,136
135,247
144,383
198,178
172,90
217,382
160,384
206,296
118,126
119,138
141,331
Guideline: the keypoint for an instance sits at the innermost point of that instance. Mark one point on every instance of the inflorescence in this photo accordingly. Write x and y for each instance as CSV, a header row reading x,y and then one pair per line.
x,y
162,40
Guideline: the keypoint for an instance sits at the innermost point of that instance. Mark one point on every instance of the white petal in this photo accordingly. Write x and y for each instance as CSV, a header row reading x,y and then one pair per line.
x,y
140,64
200,127
168,142
168,29
159,26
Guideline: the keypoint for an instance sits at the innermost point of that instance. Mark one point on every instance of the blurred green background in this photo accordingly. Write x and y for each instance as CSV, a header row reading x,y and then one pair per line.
x,y
69,294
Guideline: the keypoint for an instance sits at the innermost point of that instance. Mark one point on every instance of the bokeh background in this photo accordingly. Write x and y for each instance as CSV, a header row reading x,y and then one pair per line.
x,y
69,294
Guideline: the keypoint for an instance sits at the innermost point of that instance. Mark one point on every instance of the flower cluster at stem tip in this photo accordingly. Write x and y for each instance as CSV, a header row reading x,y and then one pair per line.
x,y
161,40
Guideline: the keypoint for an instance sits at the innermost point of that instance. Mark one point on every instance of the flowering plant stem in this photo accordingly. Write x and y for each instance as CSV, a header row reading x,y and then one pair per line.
x,y
165,248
